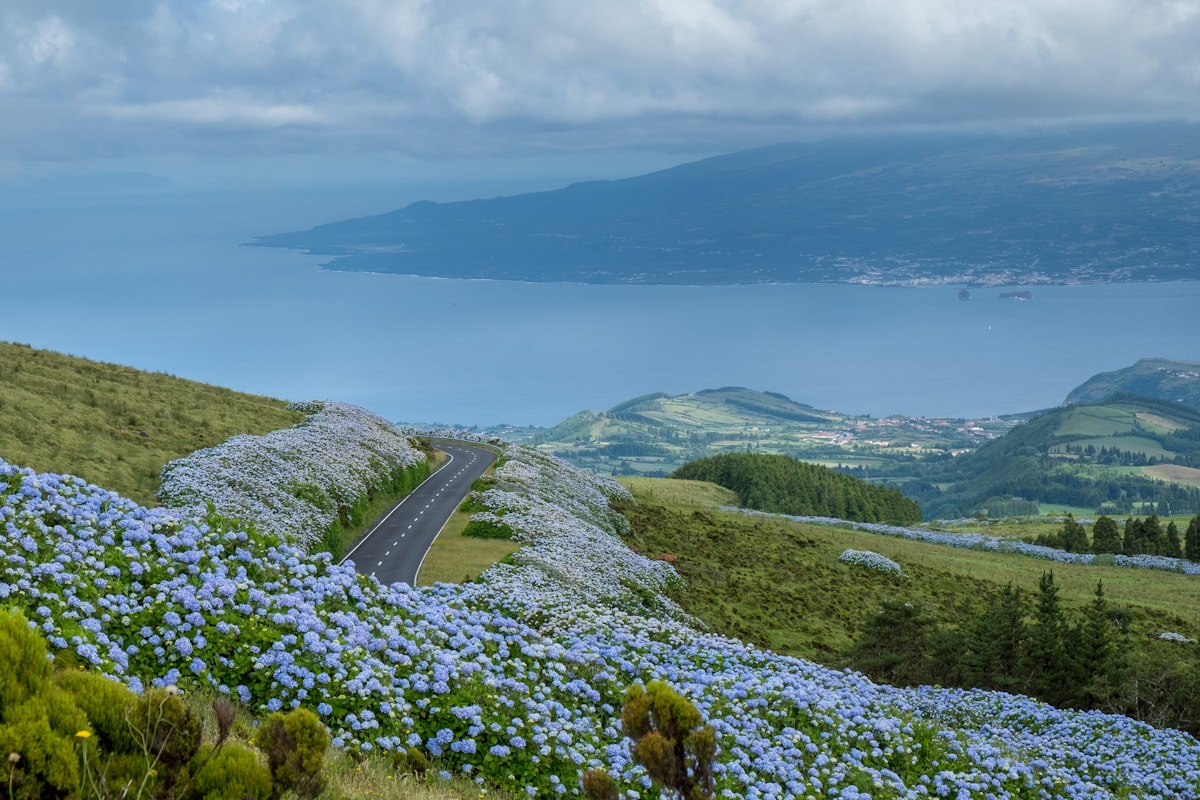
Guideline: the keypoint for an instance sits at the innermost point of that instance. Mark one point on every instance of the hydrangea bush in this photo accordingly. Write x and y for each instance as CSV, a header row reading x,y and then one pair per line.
x,y
517,679
292,482
873,561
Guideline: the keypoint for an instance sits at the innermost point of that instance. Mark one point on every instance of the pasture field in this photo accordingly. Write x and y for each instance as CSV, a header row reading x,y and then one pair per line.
x,y
1171,472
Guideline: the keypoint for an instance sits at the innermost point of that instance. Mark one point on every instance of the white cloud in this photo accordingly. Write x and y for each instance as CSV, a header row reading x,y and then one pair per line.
x,y
220,110
425,76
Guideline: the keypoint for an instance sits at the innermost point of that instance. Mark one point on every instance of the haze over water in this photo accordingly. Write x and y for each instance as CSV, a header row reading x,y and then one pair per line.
x,y
158,281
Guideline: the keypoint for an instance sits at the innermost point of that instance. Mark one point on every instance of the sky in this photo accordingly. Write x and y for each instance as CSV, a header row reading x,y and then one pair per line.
x,y
346,90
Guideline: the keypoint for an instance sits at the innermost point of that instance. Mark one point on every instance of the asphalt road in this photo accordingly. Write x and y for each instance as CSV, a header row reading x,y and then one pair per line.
x,y
394,549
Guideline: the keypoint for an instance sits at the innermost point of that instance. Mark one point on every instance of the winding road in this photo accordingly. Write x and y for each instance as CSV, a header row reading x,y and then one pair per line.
x,y
394,549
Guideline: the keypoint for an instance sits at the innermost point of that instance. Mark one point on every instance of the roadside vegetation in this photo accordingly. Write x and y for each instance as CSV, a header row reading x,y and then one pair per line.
x,y
116,426
458,558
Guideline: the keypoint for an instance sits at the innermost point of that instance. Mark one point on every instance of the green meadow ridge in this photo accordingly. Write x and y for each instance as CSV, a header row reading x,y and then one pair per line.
x,y
1125,454
113,425
1157,378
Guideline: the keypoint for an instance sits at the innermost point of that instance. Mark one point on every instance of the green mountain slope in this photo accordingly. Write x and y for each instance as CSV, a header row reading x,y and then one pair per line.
x,y
116,426
1160,378
1089,456
657,433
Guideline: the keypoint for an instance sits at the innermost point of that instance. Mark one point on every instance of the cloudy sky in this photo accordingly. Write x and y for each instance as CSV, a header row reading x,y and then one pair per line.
x,y
125,82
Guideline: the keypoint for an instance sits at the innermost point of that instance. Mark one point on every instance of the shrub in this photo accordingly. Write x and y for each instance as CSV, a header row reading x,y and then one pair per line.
x,y
24,669
599,785
411,761
670,740
38,720
167,735
487,526
107,705
231,772
295,745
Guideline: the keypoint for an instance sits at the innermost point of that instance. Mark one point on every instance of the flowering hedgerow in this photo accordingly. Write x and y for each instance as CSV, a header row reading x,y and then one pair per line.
x,y
517,679
292,482
982,541
870,560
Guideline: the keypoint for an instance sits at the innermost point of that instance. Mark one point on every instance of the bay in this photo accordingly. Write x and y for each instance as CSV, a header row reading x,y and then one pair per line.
x,y
158,281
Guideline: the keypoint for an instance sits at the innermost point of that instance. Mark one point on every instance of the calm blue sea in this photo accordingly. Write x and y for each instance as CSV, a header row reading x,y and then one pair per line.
x,y
159,282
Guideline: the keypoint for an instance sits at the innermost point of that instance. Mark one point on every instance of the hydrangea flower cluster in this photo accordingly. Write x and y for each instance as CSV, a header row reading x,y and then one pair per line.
x,y
291,482
517,679
871,560
982,541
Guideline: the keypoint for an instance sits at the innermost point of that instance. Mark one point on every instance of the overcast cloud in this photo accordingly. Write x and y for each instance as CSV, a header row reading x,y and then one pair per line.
x,y
86,80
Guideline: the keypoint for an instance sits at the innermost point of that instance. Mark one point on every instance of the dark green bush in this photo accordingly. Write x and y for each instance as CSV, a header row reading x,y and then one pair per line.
x,y
411,761
487,529
231,772
167,733
38,720
295,745
107,705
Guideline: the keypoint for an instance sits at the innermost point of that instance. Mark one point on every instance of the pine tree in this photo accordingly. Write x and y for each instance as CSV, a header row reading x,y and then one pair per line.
x,y
1106,537
1191,541
1094,650
1172,546
894,644
1073,536
1153,536
1131,543
994,642
1045,663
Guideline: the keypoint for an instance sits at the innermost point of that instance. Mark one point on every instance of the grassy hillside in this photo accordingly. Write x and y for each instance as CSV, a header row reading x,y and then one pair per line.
x,y
1083,456
782,585
112,425
1159,378
778,584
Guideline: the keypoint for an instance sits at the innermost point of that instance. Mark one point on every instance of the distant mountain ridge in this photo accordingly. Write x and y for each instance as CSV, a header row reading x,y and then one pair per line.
x,y
1158,378
656,433
1096,206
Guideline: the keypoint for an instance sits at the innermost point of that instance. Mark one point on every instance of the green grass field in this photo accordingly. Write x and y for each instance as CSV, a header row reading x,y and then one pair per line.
x,y
779,584
116,426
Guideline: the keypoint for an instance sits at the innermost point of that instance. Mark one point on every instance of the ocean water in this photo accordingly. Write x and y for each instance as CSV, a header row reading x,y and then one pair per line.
x,y
158,281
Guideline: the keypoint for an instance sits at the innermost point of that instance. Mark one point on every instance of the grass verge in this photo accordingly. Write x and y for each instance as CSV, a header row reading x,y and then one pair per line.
x,y
454,558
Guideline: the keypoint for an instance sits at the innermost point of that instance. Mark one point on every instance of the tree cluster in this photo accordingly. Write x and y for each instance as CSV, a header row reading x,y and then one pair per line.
x,y
783,485
1014,643
1138,537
